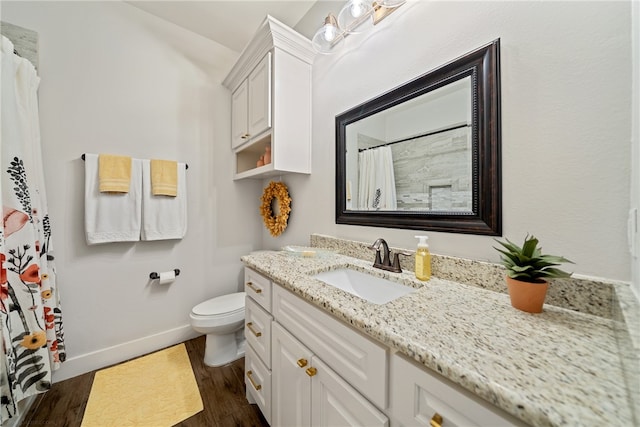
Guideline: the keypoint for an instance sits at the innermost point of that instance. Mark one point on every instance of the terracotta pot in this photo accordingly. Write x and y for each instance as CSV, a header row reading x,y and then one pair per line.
x,y
527,296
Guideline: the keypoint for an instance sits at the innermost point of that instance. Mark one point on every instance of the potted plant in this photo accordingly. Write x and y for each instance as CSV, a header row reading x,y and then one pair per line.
x,y
527,273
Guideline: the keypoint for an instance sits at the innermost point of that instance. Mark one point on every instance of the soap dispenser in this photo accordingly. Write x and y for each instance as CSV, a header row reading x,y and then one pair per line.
x,y
423,259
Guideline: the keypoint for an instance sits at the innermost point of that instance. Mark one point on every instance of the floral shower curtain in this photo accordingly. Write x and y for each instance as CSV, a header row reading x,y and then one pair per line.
x,y
30,316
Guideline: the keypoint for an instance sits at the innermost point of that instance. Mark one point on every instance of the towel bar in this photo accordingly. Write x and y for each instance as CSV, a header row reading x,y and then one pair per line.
x,y
186,166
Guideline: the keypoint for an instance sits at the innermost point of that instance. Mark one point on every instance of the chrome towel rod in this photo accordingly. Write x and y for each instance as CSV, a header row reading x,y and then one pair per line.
x,y
186,166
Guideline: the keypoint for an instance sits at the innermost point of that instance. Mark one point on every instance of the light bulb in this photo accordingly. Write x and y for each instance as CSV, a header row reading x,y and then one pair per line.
x,y
356,16
356,9
328,38
329,32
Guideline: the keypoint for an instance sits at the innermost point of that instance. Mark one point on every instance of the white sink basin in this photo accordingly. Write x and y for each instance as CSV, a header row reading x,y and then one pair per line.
x,y
371,288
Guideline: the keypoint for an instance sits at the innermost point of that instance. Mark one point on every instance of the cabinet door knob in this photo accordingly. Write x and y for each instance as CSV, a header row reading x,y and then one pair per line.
x,y
245,136
302,362
436,420
250,327
253,288
253,383
311,371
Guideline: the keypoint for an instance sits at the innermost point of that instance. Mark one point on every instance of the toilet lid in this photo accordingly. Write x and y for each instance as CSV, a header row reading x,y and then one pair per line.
x,y
221,305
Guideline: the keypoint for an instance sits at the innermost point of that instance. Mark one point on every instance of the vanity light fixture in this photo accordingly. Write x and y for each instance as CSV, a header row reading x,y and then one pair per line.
x,y
356,16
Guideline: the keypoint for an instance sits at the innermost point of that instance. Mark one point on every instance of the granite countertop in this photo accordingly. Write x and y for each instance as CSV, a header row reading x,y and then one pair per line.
x,y
556,368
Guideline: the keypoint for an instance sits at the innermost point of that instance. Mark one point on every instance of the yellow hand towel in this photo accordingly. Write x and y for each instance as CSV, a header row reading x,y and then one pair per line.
x,y
114,173
164,177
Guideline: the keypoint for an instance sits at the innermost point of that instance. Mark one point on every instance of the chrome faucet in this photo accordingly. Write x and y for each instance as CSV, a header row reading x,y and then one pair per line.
x,y
383,261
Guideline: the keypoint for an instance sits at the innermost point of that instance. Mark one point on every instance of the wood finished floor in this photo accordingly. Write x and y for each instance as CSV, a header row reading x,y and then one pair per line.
x,y
222,390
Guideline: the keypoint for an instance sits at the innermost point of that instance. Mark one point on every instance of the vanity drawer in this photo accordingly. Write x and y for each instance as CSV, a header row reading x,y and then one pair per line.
x,y
361,361
258,287
257,378
417,395
257,330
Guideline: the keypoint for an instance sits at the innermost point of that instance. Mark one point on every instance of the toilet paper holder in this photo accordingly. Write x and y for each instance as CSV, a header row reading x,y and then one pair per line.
x,y
154,275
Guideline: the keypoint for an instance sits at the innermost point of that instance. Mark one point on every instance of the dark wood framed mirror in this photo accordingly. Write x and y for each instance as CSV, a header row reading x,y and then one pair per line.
x,y
426,155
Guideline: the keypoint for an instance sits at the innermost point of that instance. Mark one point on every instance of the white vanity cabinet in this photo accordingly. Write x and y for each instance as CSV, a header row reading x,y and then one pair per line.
x,y
304,367
271,103
307,392
257,330
251,104
361,361
421,397
316,370
291,391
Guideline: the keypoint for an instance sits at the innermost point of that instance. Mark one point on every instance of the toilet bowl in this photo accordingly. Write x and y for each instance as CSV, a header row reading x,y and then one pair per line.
x,y
222,320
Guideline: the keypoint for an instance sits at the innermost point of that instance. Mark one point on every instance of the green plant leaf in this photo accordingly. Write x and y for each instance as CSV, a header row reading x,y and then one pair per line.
x,y
523,268
529,246
527,263
555,273
556,259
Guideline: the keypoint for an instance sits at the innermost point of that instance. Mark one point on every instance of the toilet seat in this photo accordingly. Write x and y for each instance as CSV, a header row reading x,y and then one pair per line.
x,y
221,306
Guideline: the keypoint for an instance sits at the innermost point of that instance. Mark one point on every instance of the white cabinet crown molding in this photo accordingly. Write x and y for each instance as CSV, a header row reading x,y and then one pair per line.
x,y
271,34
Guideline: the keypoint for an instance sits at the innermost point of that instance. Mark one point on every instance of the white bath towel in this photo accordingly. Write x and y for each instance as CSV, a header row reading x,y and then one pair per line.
x,y
163,217
112,217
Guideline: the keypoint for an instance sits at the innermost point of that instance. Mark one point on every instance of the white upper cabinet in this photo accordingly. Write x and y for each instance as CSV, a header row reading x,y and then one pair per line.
x,y
271,103
240,115
259,81
251,104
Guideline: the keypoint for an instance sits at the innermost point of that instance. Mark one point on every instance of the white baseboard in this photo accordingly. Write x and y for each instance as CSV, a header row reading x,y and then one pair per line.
x,y
88,362
23,407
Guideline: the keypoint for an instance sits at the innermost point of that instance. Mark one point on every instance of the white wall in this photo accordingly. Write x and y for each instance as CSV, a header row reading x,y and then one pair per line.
x,y
566,122
117,80
635,141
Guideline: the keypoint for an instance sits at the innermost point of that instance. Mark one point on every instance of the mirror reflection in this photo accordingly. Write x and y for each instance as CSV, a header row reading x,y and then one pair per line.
x,y
415,156
426,155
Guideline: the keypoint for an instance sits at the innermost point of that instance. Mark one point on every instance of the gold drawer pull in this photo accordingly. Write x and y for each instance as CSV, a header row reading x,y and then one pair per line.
x,y
302,362
253,383
256,290
311,371
250,327
436,420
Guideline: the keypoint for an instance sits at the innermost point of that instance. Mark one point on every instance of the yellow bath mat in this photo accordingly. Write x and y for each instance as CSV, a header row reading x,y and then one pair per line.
x,y
155,390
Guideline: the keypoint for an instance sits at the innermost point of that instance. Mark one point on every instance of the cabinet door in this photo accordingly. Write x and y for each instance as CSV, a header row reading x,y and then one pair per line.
x,y
335,403
359,360
239,115
419,395
260,97
291,392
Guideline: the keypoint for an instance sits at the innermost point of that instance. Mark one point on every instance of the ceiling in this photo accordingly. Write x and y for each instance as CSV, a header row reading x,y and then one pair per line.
x,y
232,23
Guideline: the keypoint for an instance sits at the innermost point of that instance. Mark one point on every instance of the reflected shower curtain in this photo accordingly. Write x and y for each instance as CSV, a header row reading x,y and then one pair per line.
x,y
376,180
30,316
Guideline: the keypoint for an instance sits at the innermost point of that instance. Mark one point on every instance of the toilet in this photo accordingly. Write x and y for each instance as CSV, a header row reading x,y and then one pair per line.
x,y
222,320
